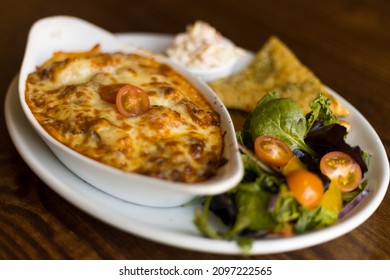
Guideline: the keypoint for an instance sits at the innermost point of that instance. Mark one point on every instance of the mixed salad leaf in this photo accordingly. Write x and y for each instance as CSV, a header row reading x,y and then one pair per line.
x,y
280,118
306,191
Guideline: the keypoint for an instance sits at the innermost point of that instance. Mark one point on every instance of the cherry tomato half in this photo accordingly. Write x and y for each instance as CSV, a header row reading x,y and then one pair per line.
x,y
272,151
132,101
341,168
109,92
306,187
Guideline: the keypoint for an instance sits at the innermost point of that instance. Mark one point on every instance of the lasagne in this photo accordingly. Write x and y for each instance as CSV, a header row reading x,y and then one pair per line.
x,y
178,138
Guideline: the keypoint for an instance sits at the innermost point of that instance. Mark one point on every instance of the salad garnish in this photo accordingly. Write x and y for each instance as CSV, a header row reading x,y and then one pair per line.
x,y
300,174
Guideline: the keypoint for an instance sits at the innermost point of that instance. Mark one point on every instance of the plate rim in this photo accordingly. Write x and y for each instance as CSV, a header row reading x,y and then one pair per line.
x,y
167,237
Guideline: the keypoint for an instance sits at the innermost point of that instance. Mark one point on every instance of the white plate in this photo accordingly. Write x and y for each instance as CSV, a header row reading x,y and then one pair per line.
x,y
174,226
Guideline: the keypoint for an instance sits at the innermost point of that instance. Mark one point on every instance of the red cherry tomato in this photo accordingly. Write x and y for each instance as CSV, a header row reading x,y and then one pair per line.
x,y
109,92
306,187
132,101
342,169
272,151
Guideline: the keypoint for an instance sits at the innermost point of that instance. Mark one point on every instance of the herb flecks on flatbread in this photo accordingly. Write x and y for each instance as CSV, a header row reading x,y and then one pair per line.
x,y
274,69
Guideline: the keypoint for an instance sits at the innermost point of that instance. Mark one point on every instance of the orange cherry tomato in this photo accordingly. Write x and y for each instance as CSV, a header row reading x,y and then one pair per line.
x,y
306,187
341,168
132,101
272,151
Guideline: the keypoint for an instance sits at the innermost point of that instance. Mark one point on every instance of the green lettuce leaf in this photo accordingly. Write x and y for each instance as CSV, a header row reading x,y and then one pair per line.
x,y
286,208
202,223
320,109
314,219
281,118
252,205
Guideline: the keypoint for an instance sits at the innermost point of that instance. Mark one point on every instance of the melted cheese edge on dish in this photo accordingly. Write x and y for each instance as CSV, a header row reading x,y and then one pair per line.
x,y
178,139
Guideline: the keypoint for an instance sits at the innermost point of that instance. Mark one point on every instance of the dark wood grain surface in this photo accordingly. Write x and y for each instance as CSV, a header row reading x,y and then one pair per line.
x,y
345,42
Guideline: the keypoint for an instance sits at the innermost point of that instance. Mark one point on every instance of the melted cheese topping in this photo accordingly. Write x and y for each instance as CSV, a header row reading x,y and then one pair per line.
x,y
178,139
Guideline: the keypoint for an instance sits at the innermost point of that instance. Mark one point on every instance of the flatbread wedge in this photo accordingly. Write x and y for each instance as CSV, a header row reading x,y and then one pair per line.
x,y
274,68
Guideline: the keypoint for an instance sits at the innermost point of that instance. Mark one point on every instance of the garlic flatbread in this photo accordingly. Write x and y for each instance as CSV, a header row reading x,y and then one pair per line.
x,y
274,69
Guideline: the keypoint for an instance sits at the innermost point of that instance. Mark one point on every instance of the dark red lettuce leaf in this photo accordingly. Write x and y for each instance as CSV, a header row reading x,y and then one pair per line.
x,y
312,165
224,208
324,139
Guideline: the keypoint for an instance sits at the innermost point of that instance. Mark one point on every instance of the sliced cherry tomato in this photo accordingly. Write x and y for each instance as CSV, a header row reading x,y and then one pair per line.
x,y
109,92
272,151
132,101
306,187
341,168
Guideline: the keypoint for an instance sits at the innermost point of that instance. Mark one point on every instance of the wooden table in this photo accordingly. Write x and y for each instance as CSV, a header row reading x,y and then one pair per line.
x,y
345,43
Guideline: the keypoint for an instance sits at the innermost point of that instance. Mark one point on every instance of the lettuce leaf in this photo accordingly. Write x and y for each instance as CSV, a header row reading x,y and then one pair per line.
x,y
315,219
324,139
249,211
287,208
320,110
281,118
252,205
